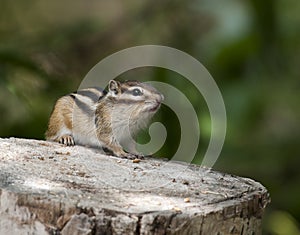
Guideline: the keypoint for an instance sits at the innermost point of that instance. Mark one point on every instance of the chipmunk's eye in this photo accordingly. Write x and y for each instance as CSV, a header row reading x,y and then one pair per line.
x,y
137,92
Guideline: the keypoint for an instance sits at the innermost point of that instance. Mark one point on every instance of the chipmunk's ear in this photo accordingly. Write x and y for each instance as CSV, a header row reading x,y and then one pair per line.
x,y
114,87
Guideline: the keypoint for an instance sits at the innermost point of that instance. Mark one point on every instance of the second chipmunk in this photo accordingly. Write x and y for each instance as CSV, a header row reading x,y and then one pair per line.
x,y
103,119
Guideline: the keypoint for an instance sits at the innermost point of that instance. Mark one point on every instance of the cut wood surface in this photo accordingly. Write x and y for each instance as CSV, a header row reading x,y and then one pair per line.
x,y
47,188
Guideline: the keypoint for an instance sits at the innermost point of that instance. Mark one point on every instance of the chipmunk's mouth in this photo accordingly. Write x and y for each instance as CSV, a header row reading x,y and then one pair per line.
x,y
154,107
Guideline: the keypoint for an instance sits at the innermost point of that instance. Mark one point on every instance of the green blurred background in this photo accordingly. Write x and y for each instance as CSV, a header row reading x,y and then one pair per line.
x,y
251,48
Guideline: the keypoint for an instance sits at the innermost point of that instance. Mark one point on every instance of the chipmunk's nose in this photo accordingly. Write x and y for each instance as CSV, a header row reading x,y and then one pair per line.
x,y
162,97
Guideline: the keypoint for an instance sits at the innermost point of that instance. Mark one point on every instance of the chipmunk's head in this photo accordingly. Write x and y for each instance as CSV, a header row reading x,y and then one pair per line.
x,y
140,96
133,99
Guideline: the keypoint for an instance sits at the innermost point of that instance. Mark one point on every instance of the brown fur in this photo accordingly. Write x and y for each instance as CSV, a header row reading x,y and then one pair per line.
x,y
61,116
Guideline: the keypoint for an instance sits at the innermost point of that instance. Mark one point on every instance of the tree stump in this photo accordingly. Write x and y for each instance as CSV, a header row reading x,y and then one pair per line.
x,y
47,188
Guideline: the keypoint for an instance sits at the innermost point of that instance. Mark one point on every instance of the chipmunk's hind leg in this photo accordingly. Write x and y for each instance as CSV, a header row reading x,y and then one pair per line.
x,y
60,123
66,140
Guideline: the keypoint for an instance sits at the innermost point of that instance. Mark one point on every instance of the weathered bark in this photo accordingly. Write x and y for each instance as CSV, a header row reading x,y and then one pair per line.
x,y
46,188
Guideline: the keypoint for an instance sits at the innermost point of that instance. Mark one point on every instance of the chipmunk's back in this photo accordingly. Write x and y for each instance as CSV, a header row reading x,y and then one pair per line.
x,y
74,113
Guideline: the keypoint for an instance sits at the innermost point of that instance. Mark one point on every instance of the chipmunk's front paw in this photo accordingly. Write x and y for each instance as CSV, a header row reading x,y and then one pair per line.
x,y
139,155
129,156
134,156
119,152
66,140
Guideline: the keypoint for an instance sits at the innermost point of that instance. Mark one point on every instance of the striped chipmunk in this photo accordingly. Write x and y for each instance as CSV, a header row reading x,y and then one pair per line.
x,y
104,119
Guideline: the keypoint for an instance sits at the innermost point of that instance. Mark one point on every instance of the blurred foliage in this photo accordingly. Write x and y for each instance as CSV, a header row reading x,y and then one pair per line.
x,y
250,47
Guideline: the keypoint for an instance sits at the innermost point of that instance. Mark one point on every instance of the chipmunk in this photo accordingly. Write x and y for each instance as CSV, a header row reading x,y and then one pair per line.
x,y
101,118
